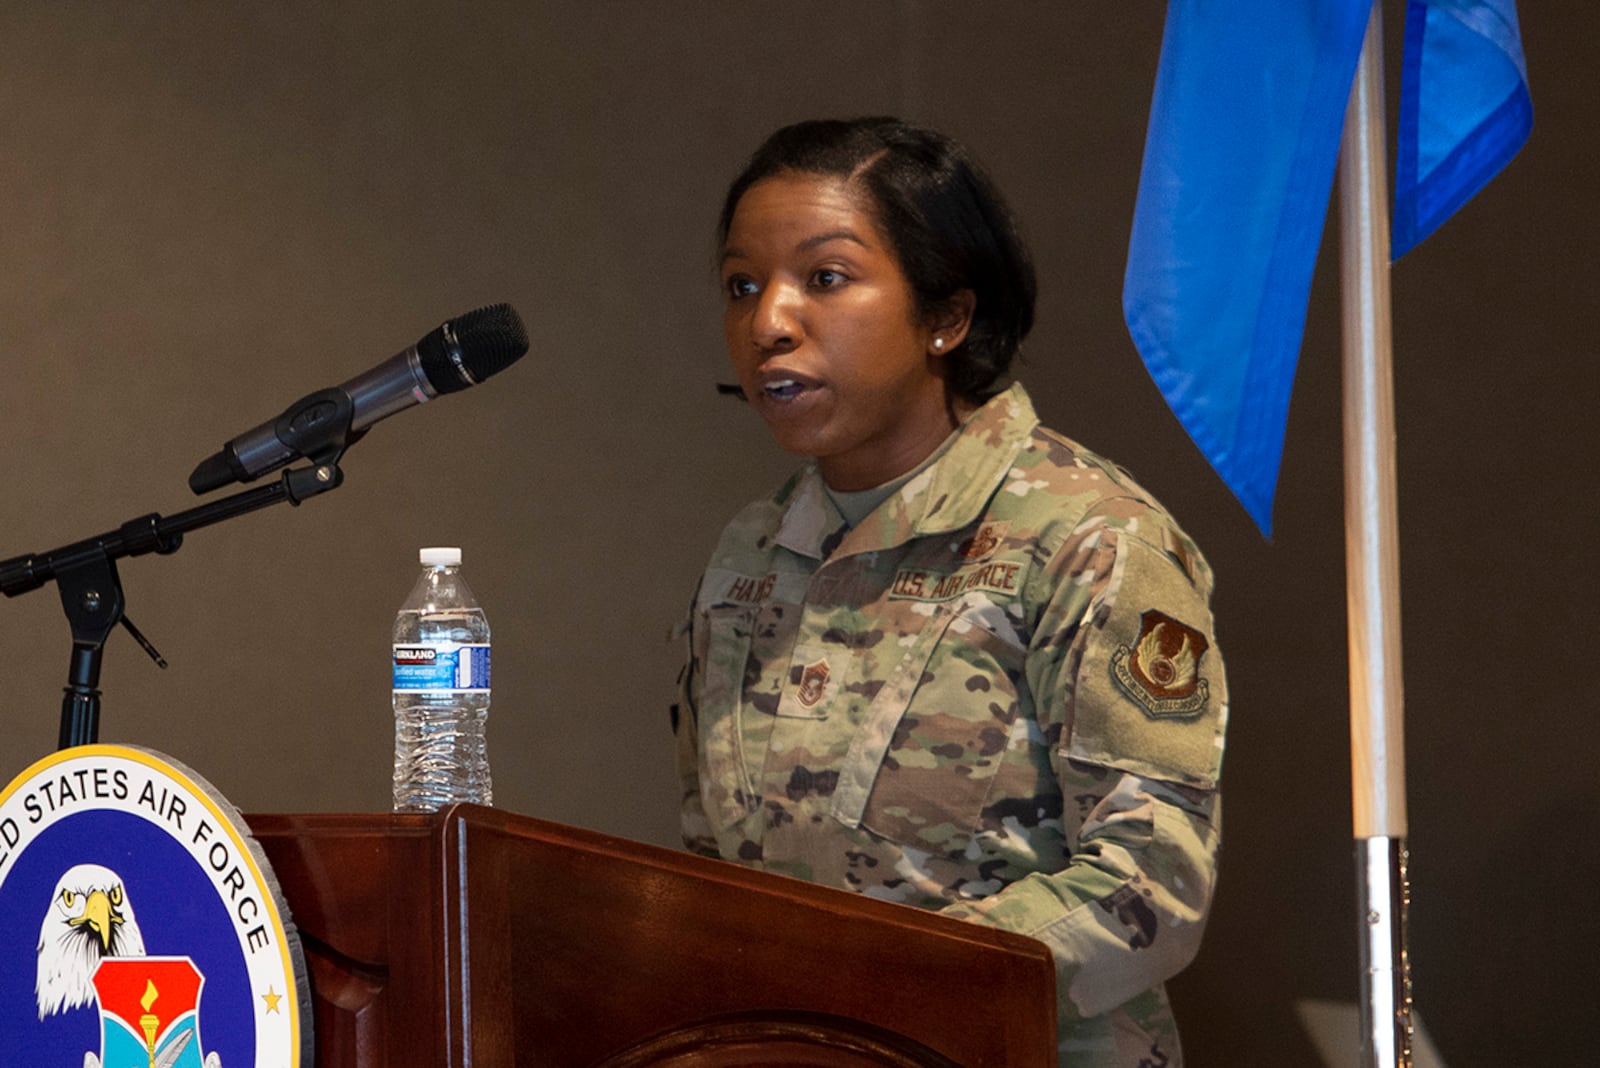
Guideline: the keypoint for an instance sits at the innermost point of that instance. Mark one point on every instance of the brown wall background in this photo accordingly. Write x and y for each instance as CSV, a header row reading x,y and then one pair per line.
x,y
208,210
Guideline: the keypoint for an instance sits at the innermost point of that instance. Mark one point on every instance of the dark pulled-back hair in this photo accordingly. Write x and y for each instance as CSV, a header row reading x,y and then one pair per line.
x,y
945,220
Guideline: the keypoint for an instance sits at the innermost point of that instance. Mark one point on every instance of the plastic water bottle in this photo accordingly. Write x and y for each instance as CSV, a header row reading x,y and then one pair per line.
x,y
441,691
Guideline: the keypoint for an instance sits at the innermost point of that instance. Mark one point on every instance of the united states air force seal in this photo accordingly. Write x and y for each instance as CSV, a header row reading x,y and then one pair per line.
x,y
140,926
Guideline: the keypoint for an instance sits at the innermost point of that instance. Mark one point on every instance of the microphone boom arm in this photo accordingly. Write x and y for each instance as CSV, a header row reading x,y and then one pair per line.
x,y
85,574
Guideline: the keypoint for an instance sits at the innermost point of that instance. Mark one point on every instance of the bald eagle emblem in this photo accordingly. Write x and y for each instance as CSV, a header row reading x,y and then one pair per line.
x,y
92,951
1161,669
89,918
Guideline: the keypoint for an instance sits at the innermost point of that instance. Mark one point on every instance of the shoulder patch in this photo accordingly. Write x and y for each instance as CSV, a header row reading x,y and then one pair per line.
x,y
1161,672
1149,693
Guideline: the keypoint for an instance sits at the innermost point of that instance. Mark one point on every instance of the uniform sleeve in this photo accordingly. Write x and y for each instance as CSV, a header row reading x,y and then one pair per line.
x,y
695,827
1132,700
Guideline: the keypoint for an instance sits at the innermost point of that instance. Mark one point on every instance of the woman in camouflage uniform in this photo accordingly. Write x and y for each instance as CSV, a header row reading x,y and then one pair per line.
x,y
956,661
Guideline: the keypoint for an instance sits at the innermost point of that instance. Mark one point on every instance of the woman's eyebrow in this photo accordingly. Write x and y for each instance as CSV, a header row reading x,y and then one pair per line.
x,y
832,235
734,253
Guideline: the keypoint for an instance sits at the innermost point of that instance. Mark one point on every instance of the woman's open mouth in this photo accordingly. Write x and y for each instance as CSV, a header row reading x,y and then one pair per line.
x,y
783,389
783,385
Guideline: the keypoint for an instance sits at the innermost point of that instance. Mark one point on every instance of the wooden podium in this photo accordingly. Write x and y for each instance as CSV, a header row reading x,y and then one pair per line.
x,y
479,937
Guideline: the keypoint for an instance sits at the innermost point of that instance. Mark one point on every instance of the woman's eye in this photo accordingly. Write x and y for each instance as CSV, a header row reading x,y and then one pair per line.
x,y
827,278
739,286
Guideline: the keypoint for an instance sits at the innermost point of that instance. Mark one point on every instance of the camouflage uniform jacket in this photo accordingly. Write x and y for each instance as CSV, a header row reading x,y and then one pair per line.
x,y
998,696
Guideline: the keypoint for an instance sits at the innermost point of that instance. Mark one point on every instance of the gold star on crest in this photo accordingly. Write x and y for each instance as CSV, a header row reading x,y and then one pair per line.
x,y
272,997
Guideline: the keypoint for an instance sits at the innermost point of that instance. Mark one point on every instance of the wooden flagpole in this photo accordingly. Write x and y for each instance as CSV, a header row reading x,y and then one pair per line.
x,y
1372,567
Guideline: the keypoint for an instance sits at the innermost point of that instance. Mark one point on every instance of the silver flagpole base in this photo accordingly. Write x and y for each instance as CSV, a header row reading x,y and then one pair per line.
x,y
1385,964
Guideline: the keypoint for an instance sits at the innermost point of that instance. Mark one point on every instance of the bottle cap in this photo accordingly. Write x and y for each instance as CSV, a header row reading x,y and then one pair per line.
x,y
440,556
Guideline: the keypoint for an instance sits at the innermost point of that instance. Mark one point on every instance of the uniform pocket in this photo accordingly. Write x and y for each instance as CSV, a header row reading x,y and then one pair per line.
x,y
725,786
922,765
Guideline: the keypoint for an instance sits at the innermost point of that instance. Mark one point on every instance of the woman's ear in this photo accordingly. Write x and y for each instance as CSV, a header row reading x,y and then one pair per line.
x,y
948,325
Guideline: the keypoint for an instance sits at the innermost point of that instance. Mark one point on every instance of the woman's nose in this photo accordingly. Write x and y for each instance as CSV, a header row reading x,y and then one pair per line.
x,y
775,324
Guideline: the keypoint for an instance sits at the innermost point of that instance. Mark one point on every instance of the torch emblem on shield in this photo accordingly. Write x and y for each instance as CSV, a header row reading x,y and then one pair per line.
x,y
149,1012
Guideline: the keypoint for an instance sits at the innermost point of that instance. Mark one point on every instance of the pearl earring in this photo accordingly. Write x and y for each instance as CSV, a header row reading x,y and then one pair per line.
x,y
938,343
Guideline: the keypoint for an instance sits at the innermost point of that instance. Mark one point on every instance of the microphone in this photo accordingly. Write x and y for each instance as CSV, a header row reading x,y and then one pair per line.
x,y
460,352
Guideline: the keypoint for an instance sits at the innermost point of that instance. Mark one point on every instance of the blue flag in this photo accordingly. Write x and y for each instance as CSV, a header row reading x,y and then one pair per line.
x,y
1239,162
1464,109
1238,165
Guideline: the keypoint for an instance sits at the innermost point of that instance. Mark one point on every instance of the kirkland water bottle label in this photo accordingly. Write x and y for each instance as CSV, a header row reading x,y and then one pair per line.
x,y
441,667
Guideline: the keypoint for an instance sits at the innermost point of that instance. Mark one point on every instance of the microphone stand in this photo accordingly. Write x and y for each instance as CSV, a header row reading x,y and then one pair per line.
x,y
85,573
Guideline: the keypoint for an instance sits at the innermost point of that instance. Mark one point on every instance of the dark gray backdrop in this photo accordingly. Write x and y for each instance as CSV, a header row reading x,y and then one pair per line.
x,y
207,210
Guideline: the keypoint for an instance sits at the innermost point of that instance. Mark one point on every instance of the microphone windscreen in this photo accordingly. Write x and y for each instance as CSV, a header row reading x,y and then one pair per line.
x,y
465,350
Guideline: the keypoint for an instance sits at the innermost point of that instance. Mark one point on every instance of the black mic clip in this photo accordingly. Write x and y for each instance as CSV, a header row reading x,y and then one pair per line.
x,y
317,427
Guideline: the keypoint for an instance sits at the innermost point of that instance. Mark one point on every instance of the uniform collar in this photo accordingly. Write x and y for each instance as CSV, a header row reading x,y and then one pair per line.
x,y
946,496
